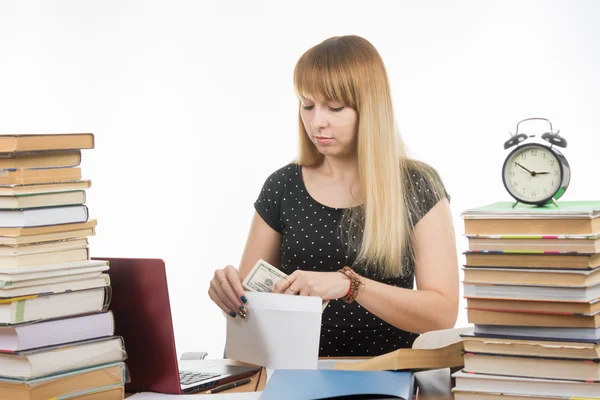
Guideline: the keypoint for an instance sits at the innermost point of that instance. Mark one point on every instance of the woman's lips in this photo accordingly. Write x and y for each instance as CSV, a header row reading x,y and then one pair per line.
x,y
323,140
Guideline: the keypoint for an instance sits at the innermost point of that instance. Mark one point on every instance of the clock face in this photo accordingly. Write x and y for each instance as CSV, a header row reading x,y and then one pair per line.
x,y
532,173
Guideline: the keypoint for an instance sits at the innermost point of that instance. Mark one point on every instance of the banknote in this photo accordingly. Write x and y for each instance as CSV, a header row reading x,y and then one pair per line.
x,y
263,277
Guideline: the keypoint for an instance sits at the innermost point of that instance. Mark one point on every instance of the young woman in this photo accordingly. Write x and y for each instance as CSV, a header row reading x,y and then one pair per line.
x,y
353,219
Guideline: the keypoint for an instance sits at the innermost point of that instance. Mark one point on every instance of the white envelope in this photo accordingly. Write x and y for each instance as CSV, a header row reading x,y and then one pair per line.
x,y
281,331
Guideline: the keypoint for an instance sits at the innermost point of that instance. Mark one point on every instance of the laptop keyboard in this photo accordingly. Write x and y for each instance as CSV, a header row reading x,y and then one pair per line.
x,y
189,377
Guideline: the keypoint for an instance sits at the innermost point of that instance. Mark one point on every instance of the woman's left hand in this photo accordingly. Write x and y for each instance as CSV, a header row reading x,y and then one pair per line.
x,y
326,285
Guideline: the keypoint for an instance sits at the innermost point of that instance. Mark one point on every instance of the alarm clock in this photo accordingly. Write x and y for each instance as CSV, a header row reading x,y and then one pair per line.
x,y
536,172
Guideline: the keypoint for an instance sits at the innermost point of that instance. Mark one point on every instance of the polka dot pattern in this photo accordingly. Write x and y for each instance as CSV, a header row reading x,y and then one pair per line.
x,y
311,241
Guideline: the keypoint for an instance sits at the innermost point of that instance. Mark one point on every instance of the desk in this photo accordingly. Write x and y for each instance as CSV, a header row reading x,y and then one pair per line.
x,y
433,385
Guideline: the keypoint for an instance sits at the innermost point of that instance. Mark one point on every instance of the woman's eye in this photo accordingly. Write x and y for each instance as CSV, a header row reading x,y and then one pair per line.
x,y
308,107
336,109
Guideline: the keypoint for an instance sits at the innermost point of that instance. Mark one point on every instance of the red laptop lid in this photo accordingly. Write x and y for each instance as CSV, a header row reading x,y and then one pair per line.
x,y
142,312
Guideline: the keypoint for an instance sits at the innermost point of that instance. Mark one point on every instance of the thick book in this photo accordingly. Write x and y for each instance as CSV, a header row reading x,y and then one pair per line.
x,y
53,187
98,381
11,276
42,200
27,336
542,347
570,217
35,176
434,349
551,307
584,244
46,361
537,332
485,317
531,276
542,261
533,367
321,384
17,310
525,388
47,159
61,286
34,248
43,216
12,144
50,258
15,236
530,292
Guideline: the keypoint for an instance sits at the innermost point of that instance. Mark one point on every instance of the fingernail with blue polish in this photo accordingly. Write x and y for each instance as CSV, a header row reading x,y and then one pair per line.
x,y
244,299
232,314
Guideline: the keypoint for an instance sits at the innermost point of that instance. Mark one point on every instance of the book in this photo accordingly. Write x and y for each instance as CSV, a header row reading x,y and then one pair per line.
x,y
570,217
484,317
583,244
526,387
65,385
533,367
42,200
46,361
555,307
55,332
12,144
542,347
39,259
46,159
329,384
62,286
14,190
44,175
543,261
16,310
10,276
113,393
43,216
529,292
45,247
434,349
531,276
537,332
20,235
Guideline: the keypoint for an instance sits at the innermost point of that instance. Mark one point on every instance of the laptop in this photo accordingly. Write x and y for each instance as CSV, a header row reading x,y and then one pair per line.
x,y
142,312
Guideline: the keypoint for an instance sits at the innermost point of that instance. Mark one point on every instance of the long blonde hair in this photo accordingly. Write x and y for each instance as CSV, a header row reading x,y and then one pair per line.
x,y
349,69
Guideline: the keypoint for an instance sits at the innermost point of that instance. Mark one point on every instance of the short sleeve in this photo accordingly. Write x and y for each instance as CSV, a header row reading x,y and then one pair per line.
x,y
269,202
425,189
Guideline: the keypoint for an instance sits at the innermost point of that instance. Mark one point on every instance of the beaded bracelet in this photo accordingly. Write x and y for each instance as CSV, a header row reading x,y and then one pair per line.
x,y
355,282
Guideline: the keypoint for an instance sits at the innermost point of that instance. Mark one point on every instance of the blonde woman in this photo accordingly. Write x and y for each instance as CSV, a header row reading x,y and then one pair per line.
x,y
353,219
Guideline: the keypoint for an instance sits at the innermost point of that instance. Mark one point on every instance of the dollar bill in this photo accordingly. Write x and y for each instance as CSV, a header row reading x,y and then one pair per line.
x,y
263,277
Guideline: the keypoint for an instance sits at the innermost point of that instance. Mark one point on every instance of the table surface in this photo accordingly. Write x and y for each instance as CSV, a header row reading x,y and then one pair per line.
x,y
432,385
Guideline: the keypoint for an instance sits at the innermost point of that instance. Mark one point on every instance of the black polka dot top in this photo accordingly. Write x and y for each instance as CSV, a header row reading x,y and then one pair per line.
x,y
311,241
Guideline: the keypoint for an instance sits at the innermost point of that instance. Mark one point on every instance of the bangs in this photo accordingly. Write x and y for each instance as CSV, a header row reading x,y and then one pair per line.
x,y
324,70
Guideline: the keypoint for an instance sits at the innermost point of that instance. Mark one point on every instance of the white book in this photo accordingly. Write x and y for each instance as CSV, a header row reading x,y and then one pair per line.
x,y
43,216
29,364
34,248
54,332
33,308
52,257
102,280
7,285
43,271
524,386
530,292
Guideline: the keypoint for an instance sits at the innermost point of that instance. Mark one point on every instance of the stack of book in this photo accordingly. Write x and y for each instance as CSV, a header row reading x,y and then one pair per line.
x,y
532,284
56,337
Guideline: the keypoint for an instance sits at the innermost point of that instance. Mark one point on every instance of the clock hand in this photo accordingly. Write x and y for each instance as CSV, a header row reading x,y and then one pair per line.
x,y
532,173
542,173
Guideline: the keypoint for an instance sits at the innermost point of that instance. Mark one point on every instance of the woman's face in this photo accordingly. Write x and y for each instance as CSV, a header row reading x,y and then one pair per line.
x,y
330,125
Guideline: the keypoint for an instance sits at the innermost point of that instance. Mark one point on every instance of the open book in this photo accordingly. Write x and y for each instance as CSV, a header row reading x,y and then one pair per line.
x,y
431,350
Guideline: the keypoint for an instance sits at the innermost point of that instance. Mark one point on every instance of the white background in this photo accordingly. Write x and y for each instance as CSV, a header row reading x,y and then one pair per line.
x,y
192,105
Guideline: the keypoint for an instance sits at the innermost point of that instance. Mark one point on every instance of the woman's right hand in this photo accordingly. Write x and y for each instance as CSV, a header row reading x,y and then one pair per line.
x,y
227,292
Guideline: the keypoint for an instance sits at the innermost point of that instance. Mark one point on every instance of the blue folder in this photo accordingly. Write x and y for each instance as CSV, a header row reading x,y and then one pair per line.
x,y
318,384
